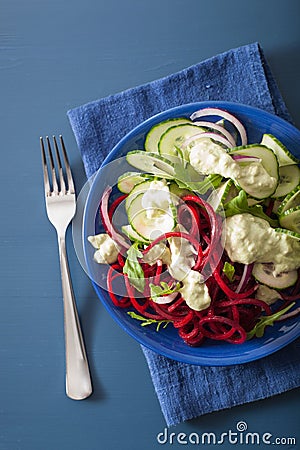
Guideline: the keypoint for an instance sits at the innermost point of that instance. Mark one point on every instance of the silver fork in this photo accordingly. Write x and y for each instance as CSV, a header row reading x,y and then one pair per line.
x,y
61,206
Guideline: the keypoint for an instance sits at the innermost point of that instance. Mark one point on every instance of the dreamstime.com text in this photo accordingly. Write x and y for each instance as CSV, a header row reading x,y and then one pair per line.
x,y
239,436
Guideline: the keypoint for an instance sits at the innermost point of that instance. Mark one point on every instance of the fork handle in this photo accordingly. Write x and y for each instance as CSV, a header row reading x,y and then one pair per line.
x,y
78,379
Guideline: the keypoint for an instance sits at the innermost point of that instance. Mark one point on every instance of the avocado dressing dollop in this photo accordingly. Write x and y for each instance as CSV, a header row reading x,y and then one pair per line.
x,y
251,239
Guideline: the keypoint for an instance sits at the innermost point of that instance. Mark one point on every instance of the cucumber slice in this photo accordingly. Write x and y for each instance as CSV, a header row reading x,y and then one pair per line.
x,y
133,235
276,205
290,219
170,143
263,273
268,161
163,168
138,189
290,233
224,193
154,135
284,156
151,163
291,200
128,180
289,178
149,228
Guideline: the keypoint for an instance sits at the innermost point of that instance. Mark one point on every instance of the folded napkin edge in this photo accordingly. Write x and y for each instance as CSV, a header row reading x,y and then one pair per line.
x,y
92,103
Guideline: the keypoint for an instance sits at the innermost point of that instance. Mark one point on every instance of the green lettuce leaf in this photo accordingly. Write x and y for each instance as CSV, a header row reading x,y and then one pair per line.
x,y
146,321
162,289
239,205
229,270
133,269
200,187
265,321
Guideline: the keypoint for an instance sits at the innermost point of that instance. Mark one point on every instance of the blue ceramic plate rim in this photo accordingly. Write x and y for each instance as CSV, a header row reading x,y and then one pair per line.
x,y
211,354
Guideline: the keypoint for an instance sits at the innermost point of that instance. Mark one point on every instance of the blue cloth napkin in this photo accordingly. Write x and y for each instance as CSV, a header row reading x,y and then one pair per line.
x,y
239,75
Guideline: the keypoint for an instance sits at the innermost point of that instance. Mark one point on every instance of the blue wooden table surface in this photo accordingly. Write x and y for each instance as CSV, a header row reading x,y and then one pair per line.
x,y
55,55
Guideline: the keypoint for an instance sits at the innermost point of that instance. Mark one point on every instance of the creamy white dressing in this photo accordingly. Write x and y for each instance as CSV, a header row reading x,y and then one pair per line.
x,y
182,254
159,252
208,157
267,294
251,239
255,175
107,250
157,199
195,292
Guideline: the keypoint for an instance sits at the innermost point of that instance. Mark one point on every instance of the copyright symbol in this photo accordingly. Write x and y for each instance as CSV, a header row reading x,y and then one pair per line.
x,y
241,426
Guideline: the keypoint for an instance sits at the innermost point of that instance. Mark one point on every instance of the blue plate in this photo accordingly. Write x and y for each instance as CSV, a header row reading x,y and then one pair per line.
x,y
166,342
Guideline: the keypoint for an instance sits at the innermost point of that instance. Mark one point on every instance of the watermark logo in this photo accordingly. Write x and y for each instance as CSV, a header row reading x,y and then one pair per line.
x,y
240,435
241,426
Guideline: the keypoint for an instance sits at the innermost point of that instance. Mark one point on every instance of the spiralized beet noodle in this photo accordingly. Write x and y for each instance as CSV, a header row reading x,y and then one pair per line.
x,y
234,309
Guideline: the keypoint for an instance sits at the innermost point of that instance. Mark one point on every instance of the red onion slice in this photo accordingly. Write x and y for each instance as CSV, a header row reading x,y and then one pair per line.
x,y
215,126
164,299
245,277
205,134
226,115
118,238
244,158
290,314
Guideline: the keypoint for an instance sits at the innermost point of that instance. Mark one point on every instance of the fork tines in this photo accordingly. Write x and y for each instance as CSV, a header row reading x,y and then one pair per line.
x,y
56,185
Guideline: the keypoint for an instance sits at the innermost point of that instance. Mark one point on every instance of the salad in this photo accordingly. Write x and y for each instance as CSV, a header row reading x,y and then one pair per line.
x,y
211,243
